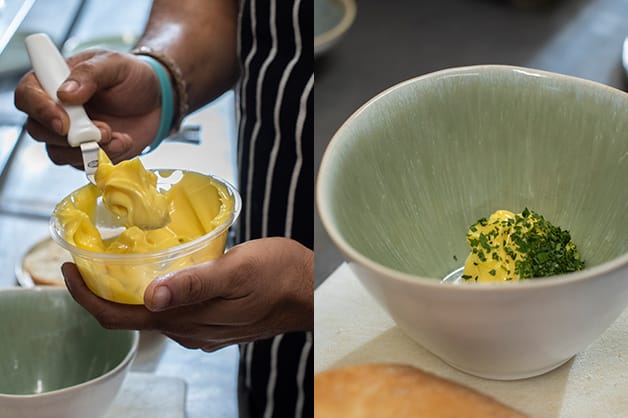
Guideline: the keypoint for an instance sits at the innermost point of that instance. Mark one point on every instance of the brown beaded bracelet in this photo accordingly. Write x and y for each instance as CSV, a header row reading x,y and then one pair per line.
x,y
175,74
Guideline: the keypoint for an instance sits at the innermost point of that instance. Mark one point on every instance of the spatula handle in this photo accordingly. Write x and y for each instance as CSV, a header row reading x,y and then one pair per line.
x,y
51,71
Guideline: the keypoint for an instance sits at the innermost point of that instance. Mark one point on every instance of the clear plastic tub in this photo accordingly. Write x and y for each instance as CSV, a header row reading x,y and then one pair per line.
x,y
123,278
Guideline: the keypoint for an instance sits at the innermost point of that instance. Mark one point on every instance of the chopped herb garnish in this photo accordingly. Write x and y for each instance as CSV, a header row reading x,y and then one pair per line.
x,y
484,242
481,255
546,250
530,247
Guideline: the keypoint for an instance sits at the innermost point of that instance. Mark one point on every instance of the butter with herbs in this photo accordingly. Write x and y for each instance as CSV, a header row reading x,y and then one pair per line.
x,y
509,246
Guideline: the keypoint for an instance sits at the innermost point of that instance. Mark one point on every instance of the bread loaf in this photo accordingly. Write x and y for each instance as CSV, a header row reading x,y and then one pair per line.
x,y
392,390
43,263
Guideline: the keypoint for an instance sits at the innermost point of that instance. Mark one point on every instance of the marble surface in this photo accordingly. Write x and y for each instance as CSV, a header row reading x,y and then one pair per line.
x,y
591,384
145,395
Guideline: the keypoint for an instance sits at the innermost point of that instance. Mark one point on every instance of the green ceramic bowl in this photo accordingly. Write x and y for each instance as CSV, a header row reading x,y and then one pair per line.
x,y
55,359
409,172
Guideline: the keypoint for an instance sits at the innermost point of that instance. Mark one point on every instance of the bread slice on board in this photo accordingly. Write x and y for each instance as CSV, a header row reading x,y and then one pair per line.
x,y
43,263
394,390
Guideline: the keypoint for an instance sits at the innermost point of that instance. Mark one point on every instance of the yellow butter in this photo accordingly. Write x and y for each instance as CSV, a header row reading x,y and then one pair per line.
x,y
197,205
75,215
190,209
509,246
496,265
130,191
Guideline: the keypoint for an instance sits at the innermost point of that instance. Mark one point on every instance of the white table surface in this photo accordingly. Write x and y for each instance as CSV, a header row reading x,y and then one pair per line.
x,y
145,395
351,328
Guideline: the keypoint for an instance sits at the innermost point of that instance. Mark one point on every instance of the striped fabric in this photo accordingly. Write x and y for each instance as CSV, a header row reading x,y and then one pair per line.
x,y
275,159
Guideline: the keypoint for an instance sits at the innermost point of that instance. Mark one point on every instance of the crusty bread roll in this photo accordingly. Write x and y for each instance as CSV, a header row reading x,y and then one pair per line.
x,y
43,263
393,390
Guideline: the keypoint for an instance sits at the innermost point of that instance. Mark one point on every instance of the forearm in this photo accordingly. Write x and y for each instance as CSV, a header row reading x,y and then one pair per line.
x,y
201,37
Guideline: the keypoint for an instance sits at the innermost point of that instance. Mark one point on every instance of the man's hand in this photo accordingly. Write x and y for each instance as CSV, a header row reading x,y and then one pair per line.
x,y
120,93
257,290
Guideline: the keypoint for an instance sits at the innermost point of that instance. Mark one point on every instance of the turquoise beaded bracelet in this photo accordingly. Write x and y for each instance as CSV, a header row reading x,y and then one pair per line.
x,y
167,101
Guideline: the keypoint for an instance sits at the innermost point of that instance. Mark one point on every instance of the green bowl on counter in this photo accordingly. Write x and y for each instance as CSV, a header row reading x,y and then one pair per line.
x,y
407,174
56,360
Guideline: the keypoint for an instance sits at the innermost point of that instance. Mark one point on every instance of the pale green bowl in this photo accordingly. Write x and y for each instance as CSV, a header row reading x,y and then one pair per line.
x,y
409,172
55,359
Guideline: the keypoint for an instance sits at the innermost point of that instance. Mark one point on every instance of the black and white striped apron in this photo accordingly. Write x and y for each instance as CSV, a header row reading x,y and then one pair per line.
x,y
275,158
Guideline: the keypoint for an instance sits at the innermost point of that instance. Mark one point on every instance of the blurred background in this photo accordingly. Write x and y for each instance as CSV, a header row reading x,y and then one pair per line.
x,y
30,186
364,47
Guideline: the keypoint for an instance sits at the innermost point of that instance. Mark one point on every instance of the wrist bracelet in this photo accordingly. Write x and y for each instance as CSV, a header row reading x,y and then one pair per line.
x,y
167,114
176,76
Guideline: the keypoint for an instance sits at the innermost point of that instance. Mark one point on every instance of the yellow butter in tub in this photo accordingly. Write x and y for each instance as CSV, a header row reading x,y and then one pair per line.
x,y
120,268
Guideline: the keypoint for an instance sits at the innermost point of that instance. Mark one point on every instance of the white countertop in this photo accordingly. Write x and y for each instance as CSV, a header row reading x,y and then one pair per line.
x,y
146,395
351,328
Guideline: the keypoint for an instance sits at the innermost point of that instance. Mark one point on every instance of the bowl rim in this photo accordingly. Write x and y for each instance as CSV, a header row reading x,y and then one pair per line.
x,y
324,40
169,253
123,364
324,209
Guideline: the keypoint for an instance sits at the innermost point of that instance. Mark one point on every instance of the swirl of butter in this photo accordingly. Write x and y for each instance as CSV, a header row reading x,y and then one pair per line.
x,y
73,215
496,265
130,192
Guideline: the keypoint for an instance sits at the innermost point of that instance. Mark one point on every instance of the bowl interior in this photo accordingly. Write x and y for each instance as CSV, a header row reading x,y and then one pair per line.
x,y
406,175
49,342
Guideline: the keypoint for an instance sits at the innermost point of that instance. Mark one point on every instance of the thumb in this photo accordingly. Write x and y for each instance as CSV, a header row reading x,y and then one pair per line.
x,y
99,71
190,286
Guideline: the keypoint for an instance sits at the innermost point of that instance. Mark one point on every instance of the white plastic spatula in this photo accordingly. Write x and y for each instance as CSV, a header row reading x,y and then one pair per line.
x,y
51,71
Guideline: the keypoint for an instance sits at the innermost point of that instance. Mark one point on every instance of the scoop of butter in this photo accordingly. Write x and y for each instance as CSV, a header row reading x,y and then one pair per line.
x,y
493,254
130,192
196,205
